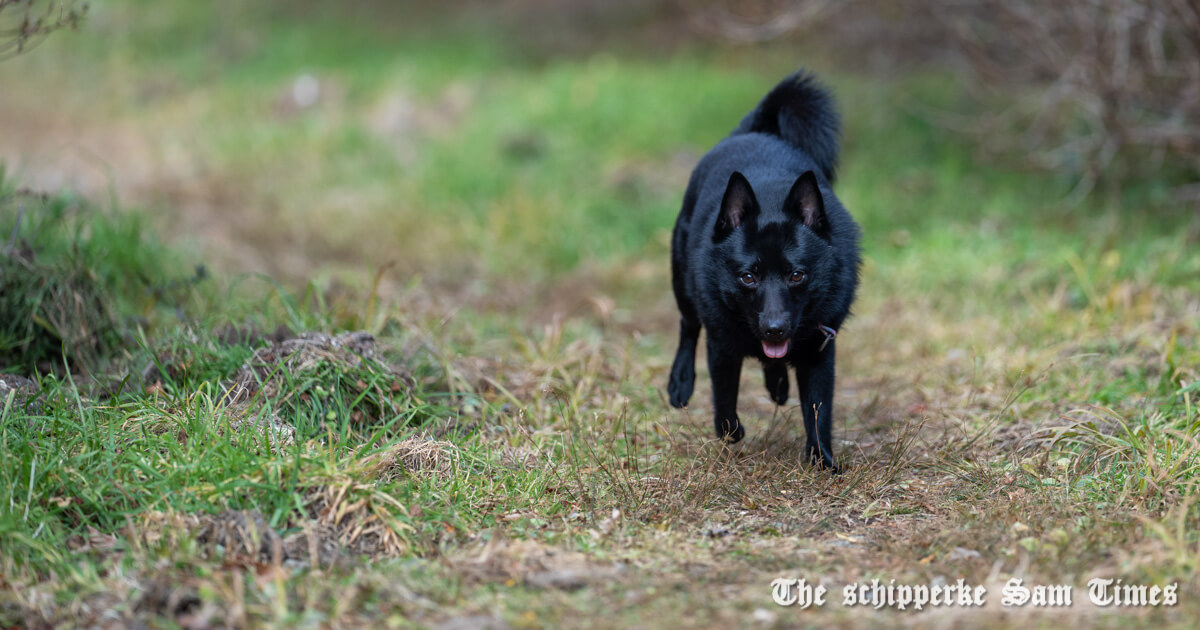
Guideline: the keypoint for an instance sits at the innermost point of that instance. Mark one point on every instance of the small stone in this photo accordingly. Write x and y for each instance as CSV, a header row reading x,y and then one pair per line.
x,y
962,553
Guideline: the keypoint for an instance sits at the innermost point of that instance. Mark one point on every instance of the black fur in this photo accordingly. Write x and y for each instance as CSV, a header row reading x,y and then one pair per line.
x,y
762,254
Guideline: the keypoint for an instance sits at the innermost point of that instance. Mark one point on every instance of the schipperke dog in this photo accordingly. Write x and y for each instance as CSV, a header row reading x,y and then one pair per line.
x,y
766,259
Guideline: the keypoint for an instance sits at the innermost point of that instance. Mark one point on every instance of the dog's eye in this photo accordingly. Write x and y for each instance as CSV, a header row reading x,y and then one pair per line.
x,y
797,277
748,279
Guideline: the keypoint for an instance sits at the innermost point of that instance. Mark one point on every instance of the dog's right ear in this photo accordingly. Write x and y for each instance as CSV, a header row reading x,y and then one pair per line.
x,y
737,207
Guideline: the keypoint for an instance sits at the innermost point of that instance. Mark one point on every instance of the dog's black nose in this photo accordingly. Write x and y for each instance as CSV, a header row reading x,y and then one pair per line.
x,y
774,331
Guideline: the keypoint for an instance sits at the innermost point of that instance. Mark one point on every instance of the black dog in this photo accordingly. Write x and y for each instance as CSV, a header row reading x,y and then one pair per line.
x,y
766,258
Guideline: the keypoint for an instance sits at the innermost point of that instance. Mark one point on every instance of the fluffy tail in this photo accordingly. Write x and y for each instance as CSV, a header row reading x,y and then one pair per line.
x,y
800,111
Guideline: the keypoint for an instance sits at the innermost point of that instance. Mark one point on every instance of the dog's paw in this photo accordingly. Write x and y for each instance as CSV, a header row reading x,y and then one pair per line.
x,y
730,431
776,378
829,466
680,388
823,460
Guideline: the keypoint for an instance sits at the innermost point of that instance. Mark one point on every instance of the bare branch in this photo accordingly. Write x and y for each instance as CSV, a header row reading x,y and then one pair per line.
x,y
1106,90
24,23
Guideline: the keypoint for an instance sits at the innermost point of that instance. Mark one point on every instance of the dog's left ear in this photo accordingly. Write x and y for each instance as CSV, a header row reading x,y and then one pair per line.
x,y
805,203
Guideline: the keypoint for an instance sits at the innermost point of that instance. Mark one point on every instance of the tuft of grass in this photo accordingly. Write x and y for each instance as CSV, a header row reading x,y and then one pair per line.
x,y
1153,459
76,280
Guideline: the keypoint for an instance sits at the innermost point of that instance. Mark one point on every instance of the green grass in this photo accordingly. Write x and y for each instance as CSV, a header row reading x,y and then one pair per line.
x,y
74,275
1017,388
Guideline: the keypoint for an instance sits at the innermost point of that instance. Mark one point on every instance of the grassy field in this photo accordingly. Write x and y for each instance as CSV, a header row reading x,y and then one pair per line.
x,y
1017,392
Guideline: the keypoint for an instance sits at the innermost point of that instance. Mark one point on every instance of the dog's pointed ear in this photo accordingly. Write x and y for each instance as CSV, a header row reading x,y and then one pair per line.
x,y
739,206
805,203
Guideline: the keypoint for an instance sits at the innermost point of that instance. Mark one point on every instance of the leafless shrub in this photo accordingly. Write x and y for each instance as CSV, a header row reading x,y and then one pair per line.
x,y
1118,81
24,22
1111,87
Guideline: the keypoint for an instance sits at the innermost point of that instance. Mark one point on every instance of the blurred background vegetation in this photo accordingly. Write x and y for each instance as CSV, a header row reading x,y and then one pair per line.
x,y
500,152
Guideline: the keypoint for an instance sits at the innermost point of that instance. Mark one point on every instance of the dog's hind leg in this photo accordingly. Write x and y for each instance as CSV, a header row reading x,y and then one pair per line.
x,y
683,370
775,374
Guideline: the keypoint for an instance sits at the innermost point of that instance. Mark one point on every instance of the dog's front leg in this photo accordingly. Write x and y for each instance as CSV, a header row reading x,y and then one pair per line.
x,y
775,375
726,370
815,379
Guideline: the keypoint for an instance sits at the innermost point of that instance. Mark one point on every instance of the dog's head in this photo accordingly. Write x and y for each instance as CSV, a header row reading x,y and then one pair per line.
x,y
776,257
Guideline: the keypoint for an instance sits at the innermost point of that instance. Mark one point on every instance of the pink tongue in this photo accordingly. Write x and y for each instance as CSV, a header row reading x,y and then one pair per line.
x,y
775,350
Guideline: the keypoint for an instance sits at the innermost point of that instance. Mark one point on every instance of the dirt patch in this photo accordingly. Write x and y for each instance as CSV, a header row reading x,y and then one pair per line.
x,y
533,564
263,373
18,392
338,374
166,598
243,538
242,533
